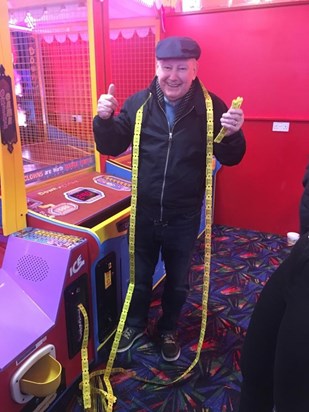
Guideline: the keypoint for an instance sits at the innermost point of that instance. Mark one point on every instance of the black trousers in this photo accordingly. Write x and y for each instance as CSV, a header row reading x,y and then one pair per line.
x,y
175,239
275,356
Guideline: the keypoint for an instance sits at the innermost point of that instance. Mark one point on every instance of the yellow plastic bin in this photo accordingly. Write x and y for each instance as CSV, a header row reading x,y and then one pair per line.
x,y
43,378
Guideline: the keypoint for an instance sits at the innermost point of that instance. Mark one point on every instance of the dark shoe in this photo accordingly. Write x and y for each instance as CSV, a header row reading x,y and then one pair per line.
x,y
170,349
128,337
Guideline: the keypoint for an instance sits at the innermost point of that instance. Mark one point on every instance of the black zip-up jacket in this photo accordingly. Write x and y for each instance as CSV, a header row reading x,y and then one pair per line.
x,y
304,204
172,166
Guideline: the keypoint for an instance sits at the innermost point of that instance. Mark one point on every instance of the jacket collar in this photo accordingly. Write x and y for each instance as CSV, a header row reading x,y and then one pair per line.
x,y
194,98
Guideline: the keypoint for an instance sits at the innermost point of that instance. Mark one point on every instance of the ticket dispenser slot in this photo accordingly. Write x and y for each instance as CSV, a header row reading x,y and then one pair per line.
x,y
106,294
76,293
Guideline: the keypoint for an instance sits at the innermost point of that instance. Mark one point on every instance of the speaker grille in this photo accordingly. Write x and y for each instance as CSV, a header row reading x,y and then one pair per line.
x,y
32,268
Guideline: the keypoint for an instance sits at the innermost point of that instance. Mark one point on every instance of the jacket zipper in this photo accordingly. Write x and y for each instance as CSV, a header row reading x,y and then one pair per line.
x,y
170,138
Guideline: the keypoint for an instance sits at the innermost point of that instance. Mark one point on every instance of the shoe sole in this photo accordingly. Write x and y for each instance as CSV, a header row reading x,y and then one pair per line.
x,y
171,359
121,350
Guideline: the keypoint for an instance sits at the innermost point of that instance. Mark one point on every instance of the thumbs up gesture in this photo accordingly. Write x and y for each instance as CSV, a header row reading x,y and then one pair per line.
x,y
107,103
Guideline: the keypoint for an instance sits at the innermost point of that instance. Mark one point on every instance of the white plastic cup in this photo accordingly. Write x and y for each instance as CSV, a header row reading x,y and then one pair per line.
x,y
292,238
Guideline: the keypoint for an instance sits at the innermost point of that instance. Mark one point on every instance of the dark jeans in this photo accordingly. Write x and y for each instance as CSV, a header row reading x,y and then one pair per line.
x,y
175,239
275,356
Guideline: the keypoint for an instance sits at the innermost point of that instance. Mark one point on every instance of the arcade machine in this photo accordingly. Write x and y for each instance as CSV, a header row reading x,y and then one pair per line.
x,y
68,189
63,244
67,256
44,277
95,206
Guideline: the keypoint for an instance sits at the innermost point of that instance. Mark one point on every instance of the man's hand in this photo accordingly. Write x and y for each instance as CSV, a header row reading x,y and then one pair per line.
x,y
232,120
107,103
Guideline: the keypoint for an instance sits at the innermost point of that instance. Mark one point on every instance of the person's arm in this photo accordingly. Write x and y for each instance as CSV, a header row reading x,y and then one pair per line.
x,y
232,148
112,134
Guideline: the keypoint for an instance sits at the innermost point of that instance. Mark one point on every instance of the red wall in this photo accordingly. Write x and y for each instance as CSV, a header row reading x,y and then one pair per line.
x,y
262,55
264,190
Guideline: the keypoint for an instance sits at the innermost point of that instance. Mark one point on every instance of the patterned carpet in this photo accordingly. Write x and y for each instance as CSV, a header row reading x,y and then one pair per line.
x,y
242,261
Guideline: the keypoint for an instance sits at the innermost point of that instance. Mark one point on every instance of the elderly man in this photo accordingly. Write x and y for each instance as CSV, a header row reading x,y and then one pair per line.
x,y
171,177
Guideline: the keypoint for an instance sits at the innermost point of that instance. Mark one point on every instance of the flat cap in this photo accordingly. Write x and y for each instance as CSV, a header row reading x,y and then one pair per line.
x,y
176,47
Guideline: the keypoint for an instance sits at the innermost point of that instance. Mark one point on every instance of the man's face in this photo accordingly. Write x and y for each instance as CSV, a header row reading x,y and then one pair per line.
x,y
175,77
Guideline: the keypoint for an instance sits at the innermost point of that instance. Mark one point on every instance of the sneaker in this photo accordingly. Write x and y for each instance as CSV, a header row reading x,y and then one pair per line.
x,y
170,349
128,337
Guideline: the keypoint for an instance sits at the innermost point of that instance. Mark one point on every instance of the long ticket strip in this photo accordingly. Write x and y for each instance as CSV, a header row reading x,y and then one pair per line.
x,y
91,385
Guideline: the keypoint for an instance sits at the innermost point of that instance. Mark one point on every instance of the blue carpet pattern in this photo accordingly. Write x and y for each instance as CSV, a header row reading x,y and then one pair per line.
x,y
242,262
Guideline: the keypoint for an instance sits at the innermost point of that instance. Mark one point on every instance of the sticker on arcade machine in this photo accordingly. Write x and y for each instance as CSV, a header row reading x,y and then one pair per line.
x,y
62,209
113,182
84,195
107,279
